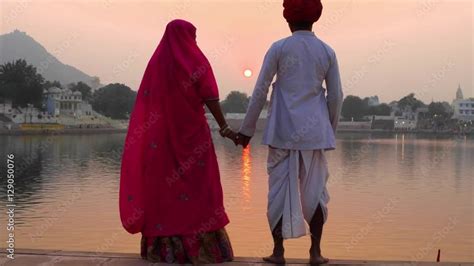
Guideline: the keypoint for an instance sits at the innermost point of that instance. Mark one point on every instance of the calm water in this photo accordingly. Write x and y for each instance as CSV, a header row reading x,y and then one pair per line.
x,y
392,196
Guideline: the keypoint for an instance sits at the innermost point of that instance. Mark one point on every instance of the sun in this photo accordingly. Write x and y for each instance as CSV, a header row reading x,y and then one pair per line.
x,y
247,73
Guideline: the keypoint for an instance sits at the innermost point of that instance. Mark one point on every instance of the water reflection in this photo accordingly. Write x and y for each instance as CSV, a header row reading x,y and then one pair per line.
x,y
356,153
246,173
29,159
403,147
67,194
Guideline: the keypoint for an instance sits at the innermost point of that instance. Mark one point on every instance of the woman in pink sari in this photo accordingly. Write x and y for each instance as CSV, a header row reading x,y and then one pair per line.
x,y
170,188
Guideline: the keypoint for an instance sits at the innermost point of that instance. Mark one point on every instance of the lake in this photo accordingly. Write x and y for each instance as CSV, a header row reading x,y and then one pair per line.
x,y
393,196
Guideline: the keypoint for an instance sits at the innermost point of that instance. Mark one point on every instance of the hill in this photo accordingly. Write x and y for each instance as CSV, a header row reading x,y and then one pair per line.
x,y
19,45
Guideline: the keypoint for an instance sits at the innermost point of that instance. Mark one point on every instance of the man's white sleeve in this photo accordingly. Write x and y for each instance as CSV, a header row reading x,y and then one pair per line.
x,y
259,95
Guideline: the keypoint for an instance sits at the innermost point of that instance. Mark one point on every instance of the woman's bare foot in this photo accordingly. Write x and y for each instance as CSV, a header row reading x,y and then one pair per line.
x,y
317,260
275,259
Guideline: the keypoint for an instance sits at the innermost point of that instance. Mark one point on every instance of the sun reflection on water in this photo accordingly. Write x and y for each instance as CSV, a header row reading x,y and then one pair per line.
x,y
246,174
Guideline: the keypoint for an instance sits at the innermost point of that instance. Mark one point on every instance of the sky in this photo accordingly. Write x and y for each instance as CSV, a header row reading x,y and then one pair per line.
x,y
387,48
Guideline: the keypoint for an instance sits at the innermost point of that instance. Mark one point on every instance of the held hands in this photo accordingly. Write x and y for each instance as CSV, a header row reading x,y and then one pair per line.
x,y
237,138
243,140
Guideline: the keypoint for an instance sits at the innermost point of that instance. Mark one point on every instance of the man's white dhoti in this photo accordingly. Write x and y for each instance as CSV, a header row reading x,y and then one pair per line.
x,y
297,185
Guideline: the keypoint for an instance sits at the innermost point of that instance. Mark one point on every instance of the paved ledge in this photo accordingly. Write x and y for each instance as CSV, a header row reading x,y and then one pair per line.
x,y
33,257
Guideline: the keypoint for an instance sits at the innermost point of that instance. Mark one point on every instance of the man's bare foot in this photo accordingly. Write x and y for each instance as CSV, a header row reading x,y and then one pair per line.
x,y
317,260
275,259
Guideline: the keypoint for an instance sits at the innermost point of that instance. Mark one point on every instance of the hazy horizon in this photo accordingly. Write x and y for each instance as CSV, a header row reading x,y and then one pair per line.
x,y
385,48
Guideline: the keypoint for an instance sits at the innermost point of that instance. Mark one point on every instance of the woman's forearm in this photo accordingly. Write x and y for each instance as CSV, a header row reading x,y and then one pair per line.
x,y
216,111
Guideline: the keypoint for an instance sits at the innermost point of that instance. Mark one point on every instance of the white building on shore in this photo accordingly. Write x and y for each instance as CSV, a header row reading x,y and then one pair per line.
x,y
6,107
373,100
60,106
463,108
66,103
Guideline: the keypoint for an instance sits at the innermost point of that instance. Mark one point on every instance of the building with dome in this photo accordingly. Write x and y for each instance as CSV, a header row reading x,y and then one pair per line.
x,y
62,109
463,108
65,103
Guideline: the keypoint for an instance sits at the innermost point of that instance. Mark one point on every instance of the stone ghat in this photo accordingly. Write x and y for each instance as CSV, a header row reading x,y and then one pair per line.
x,y
27,257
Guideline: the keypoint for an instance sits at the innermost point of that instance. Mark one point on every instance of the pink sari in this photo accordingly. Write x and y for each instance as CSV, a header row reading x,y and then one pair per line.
x,y
170,183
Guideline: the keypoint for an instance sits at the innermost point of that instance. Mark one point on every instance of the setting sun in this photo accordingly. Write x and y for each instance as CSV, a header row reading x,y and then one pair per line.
x,y
247,73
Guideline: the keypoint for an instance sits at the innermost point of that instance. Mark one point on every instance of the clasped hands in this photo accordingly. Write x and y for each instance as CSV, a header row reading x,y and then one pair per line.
x,y
237,138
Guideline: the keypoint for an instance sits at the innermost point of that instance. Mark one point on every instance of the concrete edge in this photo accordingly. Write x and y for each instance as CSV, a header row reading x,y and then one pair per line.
x,y
246,260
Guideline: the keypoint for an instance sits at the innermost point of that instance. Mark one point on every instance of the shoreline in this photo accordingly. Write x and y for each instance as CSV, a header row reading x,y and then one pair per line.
x,y
427,132
66,131
84,131
233,123
40,256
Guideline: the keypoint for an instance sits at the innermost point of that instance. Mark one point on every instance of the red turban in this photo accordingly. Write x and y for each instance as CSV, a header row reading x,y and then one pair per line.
x,y
296,11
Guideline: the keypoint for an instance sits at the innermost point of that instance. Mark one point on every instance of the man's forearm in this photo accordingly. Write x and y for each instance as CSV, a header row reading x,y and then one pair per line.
x,y
334,109
259,95
256,104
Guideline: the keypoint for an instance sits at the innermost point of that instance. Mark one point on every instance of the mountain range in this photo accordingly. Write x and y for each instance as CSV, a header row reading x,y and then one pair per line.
x,y
19,45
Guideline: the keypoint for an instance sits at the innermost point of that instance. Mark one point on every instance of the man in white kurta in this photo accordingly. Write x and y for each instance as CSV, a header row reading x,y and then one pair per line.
x,y
301,125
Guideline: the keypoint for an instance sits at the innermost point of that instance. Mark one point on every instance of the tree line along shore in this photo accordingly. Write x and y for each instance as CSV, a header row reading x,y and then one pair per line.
x,y
23,88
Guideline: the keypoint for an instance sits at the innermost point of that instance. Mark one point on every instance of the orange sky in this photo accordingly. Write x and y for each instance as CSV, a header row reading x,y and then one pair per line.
x,y
387,48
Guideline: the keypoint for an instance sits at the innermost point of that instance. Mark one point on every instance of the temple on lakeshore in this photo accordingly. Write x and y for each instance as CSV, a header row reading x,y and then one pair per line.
x,y
60,107
66,102
463,108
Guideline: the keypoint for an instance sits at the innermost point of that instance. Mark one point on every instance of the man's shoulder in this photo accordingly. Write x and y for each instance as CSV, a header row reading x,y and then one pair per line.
x,y
276,47
327,47
278,44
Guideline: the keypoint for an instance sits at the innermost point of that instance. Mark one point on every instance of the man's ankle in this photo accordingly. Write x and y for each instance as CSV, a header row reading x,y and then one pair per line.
x,y
315,251
278,251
